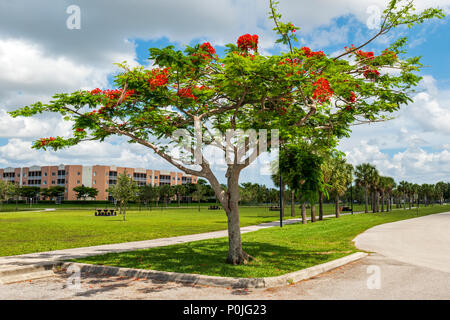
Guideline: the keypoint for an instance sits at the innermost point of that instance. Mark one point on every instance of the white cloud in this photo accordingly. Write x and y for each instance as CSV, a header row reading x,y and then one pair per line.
x,y
39,56
413,146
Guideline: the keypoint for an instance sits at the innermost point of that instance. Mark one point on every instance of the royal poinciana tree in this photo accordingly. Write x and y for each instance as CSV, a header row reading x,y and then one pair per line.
x,y
301,92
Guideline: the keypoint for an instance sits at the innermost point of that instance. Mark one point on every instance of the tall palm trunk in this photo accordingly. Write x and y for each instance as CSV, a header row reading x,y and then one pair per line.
x,y
374,206
313,212
377,195
303,210
366,198
320,206
382,201
292,203
338,212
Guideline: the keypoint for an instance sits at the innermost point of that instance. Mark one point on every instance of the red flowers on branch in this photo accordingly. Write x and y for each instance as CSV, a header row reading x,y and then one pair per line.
x,y
186,93
248,42
352,98
45,141
371,74
208,48
365,55
309,53
323,91
158,78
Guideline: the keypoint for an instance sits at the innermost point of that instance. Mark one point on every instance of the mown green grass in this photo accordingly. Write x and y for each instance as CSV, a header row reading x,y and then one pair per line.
x,y
277,250
28,232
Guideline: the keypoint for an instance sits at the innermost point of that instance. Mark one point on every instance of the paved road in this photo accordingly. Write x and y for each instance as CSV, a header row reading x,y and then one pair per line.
x,y
409,279
423,241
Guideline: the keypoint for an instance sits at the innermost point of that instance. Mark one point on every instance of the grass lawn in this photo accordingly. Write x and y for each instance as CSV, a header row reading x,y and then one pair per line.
x,y
28,232
277,251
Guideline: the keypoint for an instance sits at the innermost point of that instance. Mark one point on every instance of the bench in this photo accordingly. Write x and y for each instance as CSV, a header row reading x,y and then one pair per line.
x,y
274,209
213,208
346,209
105,212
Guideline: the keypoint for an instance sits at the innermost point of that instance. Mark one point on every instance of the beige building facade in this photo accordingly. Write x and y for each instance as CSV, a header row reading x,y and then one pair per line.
x,y
97,176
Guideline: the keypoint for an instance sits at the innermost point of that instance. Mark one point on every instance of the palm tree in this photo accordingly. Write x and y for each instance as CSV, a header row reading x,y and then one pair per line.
x,y
363,175
441,189
179,190
382,186
403,189
374,179
340,178
389,184
415,188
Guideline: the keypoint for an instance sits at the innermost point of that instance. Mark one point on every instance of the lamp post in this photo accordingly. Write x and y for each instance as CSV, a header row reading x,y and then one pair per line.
x,y
351,196
281,199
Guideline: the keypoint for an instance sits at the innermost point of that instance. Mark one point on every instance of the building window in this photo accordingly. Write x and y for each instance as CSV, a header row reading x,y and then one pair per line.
x,y
53,174
95,173
53,181
95,182
78,173
45,182
45,174
78,181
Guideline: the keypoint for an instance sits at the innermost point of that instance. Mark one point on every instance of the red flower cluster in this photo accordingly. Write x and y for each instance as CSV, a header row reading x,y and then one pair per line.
x,y
371,74
46,141
323,91
112,94
79,130
158,78
387,52
352,98
208,48
248,42
309,53
365,55
186,93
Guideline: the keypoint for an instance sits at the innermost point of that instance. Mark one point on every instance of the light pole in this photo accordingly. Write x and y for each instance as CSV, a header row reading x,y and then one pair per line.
x,y
281,199
351,196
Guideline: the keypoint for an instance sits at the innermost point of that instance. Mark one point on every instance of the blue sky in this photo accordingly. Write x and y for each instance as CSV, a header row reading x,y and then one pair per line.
x,y
39,56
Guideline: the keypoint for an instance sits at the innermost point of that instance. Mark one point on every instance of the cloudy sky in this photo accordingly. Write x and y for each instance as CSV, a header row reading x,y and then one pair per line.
x,y
40,56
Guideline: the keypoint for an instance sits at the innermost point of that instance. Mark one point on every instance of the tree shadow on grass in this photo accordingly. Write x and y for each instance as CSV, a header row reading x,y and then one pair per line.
x,y
208,258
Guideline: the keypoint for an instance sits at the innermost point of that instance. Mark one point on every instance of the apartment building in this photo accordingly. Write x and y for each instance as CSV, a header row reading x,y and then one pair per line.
x,y
98,176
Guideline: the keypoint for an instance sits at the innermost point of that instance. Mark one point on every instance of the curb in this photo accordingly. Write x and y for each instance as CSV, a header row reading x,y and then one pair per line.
x,y
27,272
268,282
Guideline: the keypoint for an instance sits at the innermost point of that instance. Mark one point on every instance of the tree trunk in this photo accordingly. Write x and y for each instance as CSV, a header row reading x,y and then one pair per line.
x,y
304,221
377,195
382,201
366,198
236,255
179,200
374,206
199,205
313,212
292,203
122,209
338,213
320,206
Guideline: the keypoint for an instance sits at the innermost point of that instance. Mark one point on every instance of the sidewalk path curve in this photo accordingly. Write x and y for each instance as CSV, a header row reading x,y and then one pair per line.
x,y
423,241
